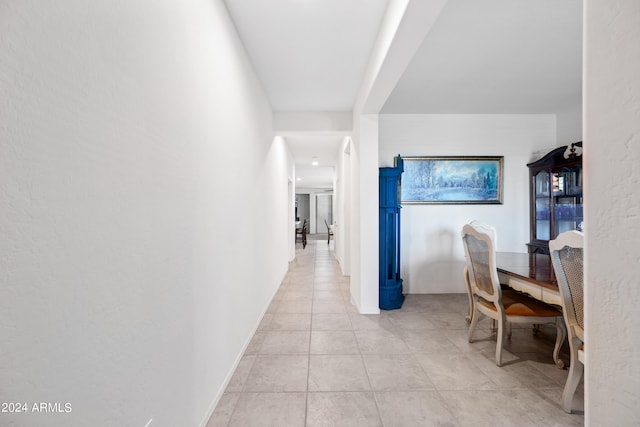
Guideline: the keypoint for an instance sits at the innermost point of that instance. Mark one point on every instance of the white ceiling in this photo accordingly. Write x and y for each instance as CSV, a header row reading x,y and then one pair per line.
x,y
496,56
310,55
325,149
490,56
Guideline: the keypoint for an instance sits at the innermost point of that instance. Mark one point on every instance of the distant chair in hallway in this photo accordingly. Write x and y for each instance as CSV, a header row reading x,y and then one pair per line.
x,y
302,231
329,231
568,263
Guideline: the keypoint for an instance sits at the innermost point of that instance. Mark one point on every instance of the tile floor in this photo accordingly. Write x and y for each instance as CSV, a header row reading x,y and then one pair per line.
x,y
316,362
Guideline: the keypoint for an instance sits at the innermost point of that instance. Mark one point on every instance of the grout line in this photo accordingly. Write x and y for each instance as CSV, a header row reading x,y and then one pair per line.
x,y
314,262
306,401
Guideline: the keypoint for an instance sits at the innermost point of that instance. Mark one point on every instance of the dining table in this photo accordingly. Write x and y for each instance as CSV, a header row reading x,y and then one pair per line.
x,y
529,273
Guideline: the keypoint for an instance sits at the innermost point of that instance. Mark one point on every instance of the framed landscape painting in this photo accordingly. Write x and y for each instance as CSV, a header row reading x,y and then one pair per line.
x,y
452,179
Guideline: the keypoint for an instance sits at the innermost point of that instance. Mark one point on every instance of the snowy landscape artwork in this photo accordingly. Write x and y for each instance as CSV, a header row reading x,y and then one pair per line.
x,y
456,179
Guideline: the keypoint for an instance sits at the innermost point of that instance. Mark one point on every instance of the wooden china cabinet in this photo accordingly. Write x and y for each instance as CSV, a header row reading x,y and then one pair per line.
x,y
556,195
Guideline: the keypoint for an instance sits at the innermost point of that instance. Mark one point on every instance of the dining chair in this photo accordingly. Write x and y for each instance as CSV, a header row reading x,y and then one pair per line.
x,y
568,263
329,231
505,306
494,235
302,231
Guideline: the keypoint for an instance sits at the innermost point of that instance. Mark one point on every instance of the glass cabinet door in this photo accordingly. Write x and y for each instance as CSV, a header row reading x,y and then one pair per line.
x,y
555,196
567,198
543,206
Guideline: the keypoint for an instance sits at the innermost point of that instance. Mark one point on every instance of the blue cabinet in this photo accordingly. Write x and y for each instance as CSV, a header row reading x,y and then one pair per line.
x,y
390,282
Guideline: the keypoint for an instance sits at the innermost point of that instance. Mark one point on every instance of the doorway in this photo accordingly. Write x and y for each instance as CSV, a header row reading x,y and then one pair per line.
x,y
302,207
324,211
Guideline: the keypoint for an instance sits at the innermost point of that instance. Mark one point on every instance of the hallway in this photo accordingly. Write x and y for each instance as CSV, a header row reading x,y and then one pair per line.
x,y
316,361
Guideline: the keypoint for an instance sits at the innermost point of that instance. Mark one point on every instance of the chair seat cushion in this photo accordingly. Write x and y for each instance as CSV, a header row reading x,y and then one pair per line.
x,y
518,304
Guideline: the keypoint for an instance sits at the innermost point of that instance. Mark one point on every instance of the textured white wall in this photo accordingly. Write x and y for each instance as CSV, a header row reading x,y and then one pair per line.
x,y
612,211
432,253
143,206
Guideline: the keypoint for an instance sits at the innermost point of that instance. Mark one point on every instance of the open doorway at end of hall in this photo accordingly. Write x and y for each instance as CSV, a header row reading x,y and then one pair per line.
x,y
324,211
303,207
316,207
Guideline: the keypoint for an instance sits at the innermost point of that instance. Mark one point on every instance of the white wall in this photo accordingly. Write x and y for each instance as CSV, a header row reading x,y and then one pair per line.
x,y
432,253
312,121
342,229
144,209
364,214
569,125
612,206
354,217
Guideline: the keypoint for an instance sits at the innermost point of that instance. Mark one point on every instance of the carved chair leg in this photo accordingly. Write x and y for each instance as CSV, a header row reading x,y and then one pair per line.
x,y
536,329
561,333
469,294
500,341
474,322
575,374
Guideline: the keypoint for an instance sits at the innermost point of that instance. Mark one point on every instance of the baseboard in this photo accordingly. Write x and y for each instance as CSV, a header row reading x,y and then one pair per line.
x,y
216,399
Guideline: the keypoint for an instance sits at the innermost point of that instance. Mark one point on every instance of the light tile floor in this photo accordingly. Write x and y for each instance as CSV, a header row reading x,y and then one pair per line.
x,y
315,361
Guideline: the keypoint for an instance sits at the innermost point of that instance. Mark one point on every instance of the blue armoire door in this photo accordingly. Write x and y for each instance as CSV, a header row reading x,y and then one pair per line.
x,y
390,282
